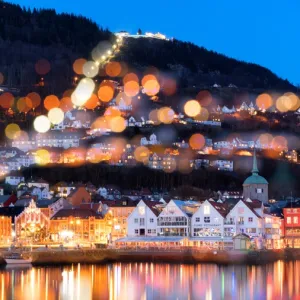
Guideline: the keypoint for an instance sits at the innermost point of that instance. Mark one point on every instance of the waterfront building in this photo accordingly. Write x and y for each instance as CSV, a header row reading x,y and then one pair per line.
x,y
119,210
5,229
31,225
143,219
256,186
207,223
292,225
222,165
80,226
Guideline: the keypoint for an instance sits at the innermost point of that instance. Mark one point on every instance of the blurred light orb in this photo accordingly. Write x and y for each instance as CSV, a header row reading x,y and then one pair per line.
x,y
153,117
117,124
113,69
293,103
35,99
12,130
83,91
264,101
204,98
165,115
283,103
279,143
150,85
51,101
169,86
141,154
42,67
192,108
90,69
131,88
78,65
106,91
41,124
203,115
197,141
92,103
6,100
130,77
24,104
56,115
42,157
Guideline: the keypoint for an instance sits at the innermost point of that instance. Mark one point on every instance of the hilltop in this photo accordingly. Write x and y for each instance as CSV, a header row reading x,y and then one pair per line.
x,y
29,35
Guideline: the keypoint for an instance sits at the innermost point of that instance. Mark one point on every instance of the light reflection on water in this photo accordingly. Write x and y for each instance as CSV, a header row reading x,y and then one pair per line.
x,y
137,281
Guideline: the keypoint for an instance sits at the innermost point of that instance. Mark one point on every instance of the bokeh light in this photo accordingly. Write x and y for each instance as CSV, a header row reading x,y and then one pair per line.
x,y
117,124
41,124
197,141
24,104
106,91
12,130
78,65
92,103
165,115
150,85
90,69
153,117
203,115
113,69
293,103
124,98
42,157
66,104
51,101
42,66
141,154
279,143
6,100
130,77
204,98
265,140
168,86
264,101
131,88
56,115
283,103
83,91
192,108
35,99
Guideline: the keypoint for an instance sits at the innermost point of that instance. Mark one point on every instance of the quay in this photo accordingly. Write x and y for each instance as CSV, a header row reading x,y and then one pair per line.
x,y
95,256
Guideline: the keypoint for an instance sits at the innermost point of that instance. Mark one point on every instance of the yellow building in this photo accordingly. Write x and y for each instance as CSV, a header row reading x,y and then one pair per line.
x,y
5,230
118,210
80,226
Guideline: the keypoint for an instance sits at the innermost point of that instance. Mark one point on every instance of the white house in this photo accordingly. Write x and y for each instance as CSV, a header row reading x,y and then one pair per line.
x,y
40,183
143,220
14,180
175,219
222,165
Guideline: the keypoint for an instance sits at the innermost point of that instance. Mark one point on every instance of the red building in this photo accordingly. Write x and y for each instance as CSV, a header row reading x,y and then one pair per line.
x,y
292,226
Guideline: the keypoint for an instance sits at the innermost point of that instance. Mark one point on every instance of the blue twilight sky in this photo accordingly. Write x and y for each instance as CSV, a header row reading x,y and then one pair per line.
x,y
265,32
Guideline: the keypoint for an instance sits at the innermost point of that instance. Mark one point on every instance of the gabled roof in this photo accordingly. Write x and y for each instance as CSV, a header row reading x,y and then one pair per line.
x,y
153,206
76,213
248,204
222,208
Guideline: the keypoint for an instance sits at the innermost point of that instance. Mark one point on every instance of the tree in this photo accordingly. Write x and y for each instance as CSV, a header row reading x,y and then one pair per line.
x,y
139,32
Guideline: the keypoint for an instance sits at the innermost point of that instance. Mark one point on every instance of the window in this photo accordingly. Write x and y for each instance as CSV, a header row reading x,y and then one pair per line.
x,y
206,219
259,191
216,220
136,220
149,230
295,220
142,221
136,231
288,220
250,219
151,220
251,230
197,219
206,209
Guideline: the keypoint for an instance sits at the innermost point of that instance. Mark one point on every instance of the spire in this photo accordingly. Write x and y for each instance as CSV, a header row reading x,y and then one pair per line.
x,y
254,168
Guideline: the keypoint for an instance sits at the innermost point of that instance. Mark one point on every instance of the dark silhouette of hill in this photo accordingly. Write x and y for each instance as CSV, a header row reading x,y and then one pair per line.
x,y
198,66
29,35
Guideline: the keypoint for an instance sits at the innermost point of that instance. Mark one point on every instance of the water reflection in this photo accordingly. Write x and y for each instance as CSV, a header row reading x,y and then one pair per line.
x,y
152,281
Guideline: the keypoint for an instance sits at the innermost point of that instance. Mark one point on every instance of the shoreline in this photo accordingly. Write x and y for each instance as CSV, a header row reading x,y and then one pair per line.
x,y
189,256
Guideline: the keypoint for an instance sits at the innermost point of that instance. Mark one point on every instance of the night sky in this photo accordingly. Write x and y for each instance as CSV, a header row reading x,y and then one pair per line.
x,y
265,32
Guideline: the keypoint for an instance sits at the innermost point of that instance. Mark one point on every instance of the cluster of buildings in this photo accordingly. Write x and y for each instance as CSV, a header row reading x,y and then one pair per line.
x,y
74,214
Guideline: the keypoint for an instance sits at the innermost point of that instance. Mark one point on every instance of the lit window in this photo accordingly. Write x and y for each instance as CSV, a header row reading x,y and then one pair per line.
x,y
206,209
216,220
295,220
288,220
259,191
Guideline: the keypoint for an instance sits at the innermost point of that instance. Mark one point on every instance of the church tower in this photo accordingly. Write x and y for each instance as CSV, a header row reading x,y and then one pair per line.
x,y
256,186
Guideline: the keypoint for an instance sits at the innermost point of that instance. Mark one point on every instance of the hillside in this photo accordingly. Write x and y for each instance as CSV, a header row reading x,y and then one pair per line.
x,y
29,35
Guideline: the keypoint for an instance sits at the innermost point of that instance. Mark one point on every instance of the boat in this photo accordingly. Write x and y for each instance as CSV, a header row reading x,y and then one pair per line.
x,y
17,258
